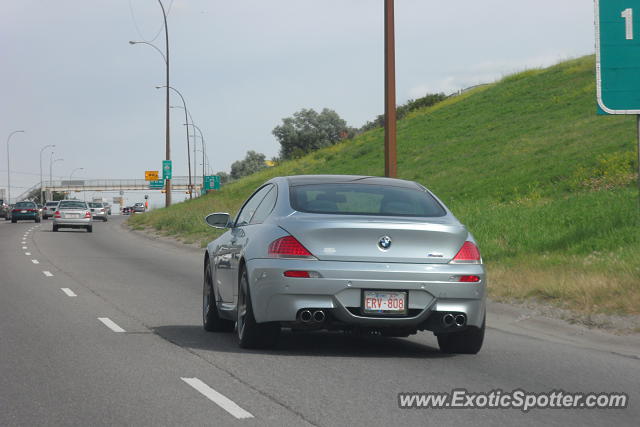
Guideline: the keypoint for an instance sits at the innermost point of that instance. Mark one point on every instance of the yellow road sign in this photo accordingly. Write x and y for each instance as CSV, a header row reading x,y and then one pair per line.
x,y
151,175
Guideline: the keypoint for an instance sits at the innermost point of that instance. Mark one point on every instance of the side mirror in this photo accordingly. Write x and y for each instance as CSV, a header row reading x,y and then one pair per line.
x,y
218,220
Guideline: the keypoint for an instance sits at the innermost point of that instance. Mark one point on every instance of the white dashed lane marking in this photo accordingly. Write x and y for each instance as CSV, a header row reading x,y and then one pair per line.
x,y
69,292
27,253
24,247
222,401
47,273
35,261
111,324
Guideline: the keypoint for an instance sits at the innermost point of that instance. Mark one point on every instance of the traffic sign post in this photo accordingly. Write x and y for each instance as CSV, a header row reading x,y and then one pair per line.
x,y
618,60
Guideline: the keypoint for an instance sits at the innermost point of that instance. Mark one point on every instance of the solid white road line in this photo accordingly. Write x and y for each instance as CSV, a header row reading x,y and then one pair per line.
x,y
35,261
69,292
222,401
47,273
111,324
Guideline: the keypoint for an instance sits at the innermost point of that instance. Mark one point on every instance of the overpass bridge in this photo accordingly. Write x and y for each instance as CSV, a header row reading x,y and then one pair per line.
x,y
178,183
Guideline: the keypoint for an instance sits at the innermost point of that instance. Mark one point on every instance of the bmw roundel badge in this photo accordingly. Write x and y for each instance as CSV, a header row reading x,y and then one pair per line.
x,y
384,243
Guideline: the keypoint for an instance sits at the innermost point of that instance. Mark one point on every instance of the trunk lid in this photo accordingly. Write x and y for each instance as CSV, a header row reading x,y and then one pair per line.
x,y
358,238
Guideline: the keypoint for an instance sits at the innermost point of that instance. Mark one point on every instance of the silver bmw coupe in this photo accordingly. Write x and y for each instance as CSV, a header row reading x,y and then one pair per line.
x,y
339,252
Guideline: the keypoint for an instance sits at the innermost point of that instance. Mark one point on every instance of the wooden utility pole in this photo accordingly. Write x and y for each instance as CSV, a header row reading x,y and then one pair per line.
x,y
390,161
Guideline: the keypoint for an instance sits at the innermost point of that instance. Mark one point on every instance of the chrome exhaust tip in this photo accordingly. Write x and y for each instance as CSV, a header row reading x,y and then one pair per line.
x,y
319,316
461,320
305,316
448,319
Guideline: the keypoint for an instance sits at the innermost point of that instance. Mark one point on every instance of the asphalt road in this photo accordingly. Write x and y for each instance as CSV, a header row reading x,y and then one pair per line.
x,y
61,365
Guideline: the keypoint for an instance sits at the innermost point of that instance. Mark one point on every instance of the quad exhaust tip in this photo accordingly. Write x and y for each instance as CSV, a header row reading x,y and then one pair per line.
x,y
315,316
448,319
457,320
461,320
305,316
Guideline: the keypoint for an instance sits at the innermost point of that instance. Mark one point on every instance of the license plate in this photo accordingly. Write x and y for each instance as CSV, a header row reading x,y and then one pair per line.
x,y
384,302
23,211
72,215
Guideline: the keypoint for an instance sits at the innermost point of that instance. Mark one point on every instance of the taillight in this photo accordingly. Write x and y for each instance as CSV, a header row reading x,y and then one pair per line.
x,y
57,214
468,254
87,214
288,247
296,273
469,279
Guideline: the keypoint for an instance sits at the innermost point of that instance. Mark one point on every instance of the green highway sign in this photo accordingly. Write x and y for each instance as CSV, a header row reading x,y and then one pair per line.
x,y
156,185
618,56
166,169
212,182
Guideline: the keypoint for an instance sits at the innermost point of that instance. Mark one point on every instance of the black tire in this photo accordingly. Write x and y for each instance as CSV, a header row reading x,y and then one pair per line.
x,y
55,228
104,219
37,219
89,228
250,333
468,341
13,221
211,320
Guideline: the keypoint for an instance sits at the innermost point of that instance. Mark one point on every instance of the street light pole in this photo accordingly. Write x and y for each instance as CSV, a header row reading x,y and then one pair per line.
x,y
72,172
41,186
51,162
9,166
187,120
203,147
165,56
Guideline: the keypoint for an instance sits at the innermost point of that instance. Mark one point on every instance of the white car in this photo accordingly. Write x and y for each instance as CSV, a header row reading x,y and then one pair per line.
x,y
49,209
98,211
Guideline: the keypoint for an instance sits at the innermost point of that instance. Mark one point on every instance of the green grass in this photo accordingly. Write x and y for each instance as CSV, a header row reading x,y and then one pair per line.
x,y
545,185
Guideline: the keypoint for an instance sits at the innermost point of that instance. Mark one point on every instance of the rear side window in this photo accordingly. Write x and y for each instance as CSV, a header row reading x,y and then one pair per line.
x,y
265,208
364,199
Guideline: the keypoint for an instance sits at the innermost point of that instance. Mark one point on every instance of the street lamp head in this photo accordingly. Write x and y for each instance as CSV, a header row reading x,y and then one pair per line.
x,y
132,42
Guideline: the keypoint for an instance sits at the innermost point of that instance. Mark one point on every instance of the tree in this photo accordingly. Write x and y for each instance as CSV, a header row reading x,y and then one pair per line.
x,y
308,131
224,177
251,163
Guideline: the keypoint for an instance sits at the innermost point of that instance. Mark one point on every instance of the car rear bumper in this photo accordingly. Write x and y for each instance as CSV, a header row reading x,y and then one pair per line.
x,y
24,216
431,288
72,222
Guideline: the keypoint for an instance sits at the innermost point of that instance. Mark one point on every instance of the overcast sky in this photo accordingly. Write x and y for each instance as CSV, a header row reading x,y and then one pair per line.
x,y
69,77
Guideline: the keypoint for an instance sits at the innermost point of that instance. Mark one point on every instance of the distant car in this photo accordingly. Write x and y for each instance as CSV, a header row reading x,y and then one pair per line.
x,y
127,210
25,211
358,253
4,210
139,207
8,212
98,211
49,209
107,207
72,214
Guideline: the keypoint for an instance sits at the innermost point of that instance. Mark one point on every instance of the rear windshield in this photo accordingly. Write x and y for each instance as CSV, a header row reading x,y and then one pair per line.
x,y
95,205
52,203
25,205
364,199
70,204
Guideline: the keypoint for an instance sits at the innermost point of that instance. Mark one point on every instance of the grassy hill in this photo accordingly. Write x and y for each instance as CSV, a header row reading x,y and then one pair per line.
x,y
546,185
